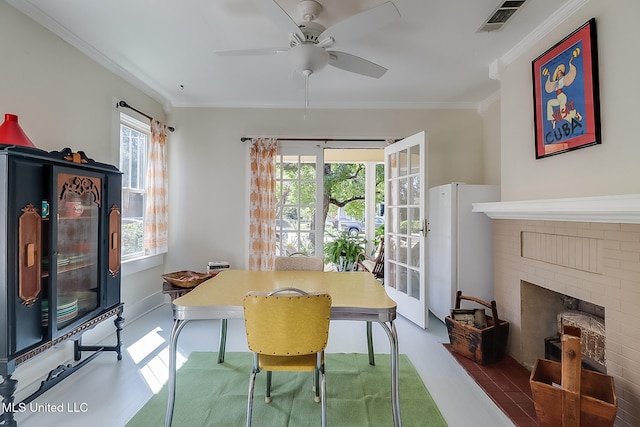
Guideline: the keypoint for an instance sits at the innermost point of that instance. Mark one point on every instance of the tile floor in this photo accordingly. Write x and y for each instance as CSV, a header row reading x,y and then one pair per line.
x,y
507,383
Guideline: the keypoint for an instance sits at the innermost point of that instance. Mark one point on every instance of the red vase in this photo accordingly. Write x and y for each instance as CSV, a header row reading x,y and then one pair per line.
x,y
12,134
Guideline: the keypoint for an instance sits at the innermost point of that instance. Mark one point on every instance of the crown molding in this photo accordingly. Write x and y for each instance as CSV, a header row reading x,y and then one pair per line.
x,y
551,23
50,24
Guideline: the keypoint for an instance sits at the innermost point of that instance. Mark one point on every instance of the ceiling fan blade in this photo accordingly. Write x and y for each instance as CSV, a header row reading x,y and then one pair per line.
x,y
355,64
252,52
362,23
278,16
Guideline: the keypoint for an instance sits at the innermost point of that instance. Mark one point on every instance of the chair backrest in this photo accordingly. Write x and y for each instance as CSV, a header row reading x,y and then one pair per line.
x,y
378,268
306,263
287,322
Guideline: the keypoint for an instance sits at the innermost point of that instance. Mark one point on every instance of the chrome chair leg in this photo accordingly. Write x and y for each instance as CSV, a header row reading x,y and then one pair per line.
x,y
252,382
267,396
316,387
323,394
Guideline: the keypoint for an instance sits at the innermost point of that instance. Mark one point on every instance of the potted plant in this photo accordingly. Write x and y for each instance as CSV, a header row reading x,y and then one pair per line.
x,y
343,250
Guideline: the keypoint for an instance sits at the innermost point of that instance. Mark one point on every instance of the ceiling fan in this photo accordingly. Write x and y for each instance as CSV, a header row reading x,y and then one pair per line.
x,y
309,41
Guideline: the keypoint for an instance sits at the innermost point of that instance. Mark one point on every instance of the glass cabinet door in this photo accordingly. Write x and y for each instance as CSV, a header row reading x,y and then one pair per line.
x,y
77,275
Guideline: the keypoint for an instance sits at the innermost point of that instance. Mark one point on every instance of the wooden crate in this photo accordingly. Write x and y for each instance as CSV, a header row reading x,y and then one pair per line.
x,y
485,345
597,401
566,395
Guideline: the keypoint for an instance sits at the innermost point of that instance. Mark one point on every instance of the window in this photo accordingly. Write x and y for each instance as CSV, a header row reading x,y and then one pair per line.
x,y
134,138
296,207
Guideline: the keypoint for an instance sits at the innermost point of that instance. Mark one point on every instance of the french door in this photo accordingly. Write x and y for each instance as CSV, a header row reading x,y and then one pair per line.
x,y
406,276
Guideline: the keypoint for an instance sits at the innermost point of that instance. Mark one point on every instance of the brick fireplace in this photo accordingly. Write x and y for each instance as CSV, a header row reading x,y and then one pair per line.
x,y
587,249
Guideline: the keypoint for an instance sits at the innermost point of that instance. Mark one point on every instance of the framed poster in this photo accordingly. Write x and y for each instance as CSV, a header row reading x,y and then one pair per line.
x,y
565,94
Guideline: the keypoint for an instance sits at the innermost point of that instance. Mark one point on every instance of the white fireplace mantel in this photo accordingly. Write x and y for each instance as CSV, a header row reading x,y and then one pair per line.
x,y
612,209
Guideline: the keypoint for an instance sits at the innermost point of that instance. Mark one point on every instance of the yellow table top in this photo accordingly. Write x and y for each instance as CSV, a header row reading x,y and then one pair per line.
x,y
355,295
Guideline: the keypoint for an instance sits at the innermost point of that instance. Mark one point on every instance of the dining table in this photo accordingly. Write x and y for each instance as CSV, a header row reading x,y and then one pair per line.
x,y
355,296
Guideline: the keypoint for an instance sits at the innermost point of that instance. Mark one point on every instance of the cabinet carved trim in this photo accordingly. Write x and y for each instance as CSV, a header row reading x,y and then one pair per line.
x,y
29,230
80,185
78,157
74,332
114,240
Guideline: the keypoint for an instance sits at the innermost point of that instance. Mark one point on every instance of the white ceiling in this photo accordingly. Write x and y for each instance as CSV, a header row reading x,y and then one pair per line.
x,y
435,55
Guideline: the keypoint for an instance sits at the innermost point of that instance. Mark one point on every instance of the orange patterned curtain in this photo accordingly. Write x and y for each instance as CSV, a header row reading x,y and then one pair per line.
x,y
262,204
156,226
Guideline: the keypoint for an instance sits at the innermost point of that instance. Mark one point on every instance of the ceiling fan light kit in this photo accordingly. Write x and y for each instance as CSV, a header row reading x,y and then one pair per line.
x,y
308,57
308,40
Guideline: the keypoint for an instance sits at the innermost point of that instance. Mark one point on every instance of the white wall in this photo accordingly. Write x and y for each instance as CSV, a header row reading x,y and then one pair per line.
x,y
64,99
491,137
209,170
607,169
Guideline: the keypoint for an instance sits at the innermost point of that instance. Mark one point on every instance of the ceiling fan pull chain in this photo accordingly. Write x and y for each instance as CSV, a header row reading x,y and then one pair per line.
x,y
306,73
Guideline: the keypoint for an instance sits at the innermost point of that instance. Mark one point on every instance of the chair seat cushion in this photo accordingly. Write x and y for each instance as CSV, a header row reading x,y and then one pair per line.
x,y
306,362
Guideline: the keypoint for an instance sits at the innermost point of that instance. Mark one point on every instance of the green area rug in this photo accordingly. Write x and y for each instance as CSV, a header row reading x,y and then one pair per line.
x,y
212,394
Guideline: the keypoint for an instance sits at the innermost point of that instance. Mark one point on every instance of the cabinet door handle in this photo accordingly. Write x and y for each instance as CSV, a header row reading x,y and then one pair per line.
x,y
114,233
29,271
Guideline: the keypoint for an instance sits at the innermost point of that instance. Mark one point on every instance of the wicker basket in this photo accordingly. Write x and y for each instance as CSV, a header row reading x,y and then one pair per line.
x,y
186,278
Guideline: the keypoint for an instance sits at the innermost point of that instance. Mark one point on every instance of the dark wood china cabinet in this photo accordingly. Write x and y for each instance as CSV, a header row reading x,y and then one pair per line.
x,y
59,259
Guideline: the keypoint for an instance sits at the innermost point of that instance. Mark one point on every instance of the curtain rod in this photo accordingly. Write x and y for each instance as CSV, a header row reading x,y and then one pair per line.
x,y
125,105
245,138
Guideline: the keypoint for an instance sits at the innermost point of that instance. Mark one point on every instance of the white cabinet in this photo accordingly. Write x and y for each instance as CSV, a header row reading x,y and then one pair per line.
x,y
460,245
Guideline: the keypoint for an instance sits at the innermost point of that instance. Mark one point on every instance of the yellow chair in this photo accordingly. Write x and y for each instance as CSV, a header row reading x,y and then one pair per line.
x,y
287,330
301,262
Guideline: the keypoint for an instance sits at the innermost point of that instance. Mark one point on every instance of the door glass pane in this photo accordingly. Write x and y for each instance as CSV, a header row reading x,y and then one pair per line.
x,y
393,222
403,166
392,251
414,252
392,194
393,165
403,250
413,284
414,221
403,191
414,159
77,259
402,279
391,274
414,191
403,220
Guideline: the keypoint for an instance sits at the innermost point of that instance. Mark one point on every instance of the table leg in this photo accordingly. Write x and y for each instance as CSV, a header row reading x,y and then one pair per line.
x,y
372,360
223,340
173,346
395,394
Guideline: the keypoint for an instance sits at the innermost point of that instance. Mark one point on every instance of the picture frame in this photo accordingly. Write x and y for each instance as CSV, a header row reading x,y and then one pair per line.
x,y
566,94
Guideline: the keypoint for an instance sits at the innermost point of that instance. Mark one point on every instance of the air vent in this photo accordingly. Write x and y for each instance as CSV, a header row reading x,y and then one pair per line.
x,y
501,15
